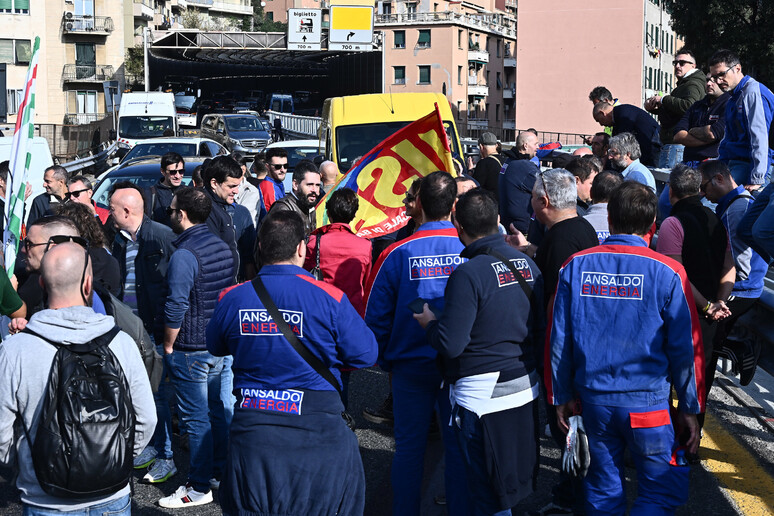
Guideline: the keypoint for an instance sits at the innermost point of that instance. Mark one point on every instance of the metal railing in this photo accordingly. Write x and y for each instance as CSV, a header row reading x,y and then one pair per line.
x,y
76,23
82,118
302,126
495,23
200,2
87,73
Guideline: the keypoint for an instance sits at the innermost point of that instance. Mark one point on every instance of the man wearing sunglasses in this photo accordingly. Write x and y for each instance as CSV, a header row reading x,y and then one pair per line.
x,y
55,183
272,187
689,88
80,190
160,195
39,234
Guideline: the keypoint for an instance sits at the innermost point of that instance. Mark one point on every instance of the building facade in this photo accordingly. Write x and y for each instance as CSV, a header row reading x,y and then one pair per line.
x,y
566,49
465,50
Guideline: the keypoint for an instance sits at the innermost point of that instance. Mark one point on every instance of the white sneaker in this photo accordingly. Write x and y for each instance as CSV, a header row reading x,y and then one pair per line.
x,y
160,471
214,484
146,458
185,496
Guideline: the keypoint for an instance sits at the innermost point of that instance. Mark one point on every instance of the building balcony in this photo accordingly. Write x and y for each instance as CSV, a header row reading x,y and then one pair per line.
x,y
492,23
509,62
201,4
87,73
91,25
478,56
243,8
178,4
82,118
478,90
509,124
143,10
509,92
477,123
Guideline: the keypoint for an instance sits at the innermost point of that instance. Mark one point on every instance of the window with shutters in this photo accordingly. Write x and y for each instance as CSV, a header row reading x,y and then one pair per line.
x,y
424,74
14,6
400,74
6,51
14,99
23,51
400,38
424,38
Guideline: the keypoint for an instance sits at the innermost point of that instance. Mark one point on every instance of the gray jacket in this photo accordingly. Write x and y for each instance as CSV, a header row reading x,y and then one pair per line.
x,y
25,362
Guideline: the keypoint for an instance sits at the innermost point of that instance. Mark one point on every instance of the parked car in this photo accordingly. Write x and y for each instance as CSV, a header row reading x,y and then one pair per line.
x,y
241,106
237,132
186,107
186,147
144,172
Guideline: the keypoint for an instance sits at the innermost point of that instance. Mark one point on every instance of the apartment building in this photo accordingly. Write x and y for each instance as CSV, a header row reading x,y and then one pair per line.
x,y
463,49
567,48
81,46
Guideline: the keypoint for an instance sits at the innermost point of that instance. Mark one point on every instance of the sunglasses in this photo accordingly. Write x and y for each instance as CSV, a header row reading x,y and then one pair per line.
x,y
176,171
171,210
681,62
77,193
61,239
279,166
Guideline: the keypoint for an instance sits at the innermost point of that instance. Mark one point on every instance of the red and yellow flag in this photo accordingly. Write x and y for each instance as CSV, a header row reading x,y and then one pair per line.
x,y
383,175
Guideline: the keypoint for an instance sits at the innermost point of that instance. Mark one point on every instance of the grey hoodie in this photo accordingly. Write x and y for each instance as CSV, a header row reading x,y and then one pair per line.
x,y
25,362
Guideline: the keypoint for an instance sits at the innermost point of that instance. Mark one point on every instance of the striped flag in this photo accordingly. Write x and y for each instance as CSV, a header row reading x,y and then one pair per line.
x,y
383,175
21,155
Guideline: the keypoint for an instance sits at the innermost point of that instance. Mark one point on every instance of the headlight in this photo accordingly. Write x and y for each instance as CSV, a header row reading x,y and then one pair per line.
x,y
235,142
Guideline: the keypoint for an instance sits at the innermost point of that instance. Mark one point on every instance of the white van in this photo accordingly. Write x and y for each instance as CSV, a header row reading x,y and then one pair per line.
x,y
145,115
41,160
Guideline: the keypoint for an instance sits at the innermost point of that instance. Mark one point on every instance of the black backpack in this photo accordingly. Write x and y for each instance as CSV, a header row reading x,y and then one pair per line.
x,y
84,443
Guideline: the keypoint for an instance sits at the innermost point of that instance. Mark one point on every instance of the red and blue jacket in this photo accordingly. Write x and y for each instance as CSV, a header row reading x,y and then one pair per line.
x,y
271,192
418,266
319,314
624,328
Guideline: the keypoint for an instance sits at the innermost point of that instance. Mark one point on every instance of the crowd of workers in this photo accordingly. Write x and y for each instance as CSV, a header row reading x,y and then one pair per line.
x,y
575,285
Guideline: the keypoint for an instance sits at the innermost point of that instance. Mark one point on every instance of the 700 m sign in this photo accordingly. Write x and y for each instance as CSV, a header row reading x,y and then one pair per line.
x,y
348,46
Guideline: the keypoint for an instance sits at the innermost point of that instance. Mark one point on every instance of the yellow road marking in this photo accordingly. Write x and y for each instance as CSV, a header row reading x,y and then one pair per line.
x,y
745,481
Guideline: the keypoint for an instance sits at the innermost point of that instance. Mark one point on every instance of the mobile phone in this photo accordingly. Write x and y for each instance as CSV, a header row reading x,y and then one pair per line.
x,y
417,306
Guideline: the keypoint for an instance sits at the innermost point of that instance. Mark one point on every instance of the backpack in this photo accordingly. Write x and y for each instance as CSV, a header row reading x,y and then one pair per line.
x,y
133,326
84,443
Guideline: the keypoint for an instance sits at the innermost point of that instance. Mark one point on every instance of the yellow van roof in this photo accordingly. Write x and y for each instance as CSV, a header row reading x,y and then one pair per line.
x,y
385,107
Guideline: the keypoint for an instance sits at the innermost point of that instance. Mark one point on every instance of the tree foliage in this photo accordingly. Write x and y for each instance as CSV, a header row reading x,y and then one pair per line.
x,y
261,23
744,26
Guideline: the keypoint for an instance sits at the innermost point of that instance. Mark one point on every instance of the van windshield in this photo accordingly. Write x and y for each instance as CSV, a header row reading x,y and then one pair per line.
x,y
354,141
141,127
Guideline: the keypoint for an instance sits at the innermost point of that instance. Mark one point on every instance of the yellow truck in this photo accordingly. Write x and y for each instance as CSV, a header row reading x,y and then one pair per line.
x,y
352,126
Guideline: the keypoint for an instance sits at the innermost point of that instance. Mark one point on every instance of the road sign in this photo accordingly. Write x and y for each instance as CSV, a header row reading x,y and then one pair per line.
x,y
304,29
352,28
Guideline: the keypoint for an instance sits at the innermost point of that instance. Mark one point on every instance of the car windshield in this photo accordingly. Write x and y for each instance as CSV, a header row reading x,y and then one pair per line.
x,y
143,181
243,123
296,154
159,149
184,101
141,127
355,141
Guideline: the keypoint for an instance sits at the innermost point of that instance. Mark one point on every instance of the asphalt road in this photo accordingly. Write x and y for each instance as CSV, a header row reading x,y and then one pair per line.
x,y
369,387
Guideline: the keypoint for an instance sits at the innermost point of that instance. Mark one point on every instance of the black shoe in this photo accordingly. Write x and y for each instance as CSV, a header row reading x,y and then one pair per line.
x,y
749,361
551,509
439,499
381,416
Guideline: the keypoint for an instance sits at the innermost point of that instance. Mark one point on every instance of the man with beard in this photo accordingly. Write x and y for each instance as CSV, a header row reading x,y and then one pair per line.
x,y
55,183
160,195
624,153
303,197
199,269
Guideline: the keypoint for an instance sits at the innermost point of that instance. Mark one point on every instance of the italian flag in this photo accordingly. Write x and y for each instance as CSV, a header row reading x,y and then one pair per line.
x,y
21,155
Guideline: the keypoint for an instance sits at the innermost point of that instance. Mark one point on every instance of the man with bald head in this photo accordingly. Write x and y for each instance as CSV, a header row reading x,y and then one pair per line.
x,y
516,181
329,172
39,234
142,248
26,360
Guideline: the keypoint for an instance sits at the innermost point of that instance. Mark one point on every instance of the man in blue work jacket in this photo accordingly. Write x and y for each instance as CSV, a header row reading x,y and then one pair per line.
x,y
417,267
489,338
290,451
625,330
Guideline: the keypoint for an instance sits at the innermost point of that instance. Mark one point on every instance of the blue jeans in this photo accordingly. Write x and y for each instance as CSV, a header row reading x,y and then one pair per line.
x,y
756,228
162,436
469,432
196,377
118,507
414,398
227,390
661,487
